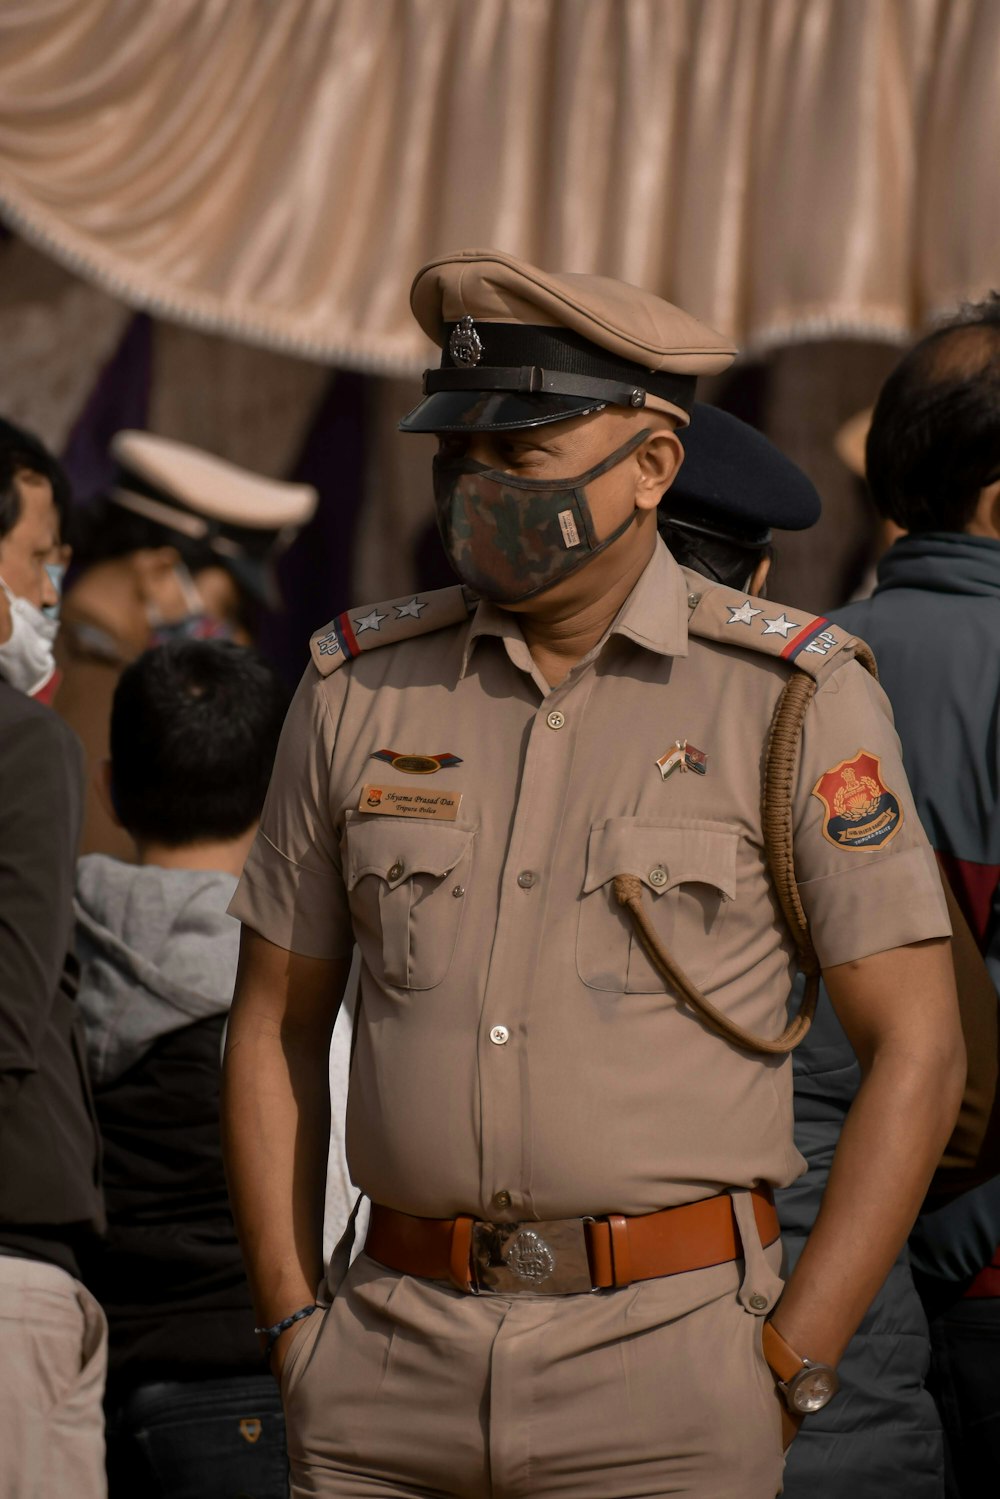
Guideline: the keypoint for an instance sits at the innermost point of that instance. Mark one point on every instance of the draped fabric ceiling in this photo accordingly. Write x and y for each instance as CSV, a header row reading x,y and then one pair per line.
x,y
277,169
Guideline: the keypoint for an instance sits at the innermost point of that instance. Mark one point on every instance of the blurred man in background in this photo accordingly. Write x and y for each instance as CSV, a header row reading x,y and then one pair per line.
x,y
933,464
194,729
54,1334
183,544
884,1435
34,517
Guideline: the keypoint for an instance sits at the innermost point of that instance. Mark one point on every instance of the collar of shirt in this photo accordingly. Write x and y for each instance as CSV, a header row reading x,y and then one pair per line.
x,y
654,615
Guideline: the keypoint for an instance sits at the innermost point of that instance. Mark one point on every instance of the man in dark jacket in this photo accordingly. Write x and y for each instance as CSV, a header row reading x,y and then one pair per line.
x,y
933,464
191,1408
882,1435
54,1335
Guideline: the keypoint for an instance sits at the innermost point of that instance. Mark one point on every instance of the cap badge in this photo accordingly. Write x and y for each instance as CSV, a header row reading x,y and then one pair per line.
x,y
465,346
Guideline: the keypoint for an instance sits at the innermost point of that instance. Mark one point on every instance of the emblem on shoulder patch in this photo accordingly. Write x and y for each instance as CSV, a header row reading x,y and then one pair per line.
x,y
861,811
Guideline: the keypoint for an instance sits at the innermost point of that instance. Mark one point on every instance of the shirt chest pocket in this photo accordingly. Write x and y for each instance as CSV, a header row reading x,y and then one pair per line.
x,y
688,872
406,882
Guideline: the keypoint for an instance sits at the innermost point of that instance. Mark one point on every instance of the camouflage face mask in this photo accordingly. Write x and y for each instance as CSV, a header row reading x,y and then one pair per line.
x,y
511,538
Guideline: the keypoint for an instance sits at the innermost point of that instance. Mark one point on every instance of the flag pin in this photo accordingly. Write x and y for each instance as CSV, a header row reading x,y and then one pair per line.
x,y
682,756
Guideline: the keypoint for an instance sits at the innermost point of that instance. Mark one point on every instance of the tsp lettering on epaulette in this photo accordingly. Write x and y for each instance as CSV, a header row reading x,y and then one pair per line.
x,y
359,630
807,641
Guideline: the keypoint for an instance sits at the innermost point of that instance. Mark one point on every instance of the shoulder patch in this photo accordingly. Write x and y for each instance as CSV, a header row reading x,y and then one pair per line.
x,y
807,641
363,629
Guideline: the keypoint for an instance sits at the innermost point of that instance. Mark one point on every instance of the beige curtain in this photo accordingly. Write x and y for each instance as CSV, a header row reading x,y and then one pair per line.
x,y
277,169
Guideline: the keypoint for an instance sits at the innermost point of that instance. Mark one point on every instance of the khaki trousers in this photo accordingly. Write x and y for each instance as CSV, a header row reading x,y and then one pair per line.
x,y
405,1387
53,1357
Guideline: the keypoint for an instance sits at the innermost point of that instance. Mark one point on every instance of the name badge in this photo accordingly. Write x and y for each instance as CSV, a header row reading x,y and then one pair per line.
x,y
410,801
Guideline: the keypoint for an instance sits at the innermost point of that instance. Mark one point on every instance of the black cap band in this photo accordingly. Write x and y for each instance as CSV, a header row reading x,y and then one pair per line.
x,y
539,359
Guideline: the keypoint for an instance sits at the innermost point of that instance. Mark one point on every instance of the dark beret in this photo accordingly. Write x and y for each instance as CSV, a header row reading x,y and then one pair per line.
x,y
736,484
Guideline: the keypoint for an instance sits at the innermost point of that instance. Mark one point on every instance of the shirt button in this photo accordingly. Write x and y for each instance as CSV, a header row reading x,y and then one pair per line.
x,y
556,719
458,892
502,1200
395,871
758,1302
526,879
499,1035
658,876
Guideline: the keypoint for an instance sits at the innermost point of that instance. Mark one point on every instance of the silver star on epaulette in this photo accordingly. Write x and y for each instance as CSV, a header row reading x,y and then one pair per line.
x,y
780,626
410,610
372,621
743,615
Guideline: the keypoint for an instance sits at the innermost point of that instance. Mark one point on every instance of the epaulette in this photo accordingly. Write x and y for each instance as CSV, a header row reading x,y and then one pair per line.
x,y
805,640
363,629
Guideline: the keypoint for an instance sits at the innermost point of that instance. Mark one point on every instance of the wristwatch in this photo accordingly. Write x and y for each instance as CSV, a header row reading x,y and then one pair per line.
x,y
805,1386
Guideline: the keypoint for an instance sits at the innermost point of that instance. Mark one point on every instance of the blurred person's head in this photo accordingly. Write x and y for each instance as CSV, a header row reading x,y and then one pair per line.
x,y
933,449
34,504
183,544
194,730
733,487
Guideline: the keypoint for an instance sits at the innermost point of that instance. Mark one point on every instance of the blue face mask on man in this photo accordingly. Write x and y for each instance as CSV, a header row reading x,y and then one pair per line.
x,y
56,572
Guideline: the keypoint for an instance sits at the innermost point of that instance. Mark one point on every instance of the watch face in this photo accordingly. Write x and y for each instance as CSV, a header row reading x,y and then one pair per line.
x,y
812,1389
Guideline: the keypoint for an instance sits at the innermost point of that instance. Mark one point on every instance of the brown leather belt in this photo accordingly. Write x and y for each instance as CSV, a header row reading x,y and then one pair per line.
x,y
569,1255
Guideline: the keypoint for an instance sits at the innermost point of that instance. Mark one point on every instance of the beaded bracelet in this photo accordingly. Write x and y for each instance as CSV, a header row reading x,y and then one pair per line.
x,y
273,1333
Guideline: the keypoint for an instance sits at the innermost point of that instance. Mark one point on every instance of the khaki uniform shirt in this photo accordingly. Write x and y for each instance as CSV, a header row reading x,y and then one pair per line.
x,y
517,1054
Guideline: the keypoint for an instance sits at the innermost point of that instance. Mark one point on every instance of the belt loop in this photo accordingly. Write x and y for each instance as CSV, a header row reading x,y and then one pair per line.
x,y
761,1287
460,1256
621,1257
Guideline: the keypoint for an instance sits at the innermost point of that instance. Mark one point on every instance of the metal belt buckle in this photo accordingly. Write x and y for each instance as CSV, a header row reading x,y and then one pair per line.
x,y
531,1259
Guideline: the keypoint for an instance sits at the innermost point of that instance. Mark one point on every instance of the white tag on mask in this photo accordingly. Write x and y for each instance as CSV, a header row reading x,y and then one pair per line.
x,y
567,525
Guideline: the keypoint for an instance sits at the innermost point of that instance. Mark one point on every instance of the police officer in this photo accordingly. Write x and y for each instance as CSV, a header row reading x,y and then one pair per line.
x,y
539,816
732,488
182,544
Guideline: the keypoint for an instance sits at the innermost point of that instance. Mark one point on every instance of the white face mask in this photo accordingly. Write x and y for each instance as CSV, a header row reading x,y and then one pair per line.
x,y
26,659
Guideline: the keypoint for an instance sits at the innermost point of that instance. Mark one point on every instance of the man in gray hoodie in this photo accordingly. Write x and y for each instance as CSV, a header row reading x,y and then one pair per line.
x,y
191,1409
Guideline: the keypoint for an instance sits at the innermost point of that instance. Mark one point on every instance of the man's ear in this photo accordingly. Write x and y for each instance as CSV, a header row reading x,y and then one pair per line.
x,y
985,520
102,784
660,458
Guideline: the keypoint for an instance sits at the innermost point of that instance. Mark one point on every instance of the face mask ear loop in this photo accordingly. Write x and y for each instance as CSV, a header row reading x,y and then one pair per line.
x,y
192,595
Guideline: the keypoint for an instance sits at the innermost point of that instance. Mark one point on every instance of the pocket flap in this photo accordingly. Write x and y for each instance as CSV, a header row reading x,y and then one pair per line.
x,y
663,854
396,848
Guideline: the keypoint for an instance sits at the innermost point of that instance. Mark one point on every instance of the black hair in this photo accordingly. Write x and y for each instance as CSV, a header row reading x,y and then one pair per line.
x,y
934,441
105,531
194,730
723,560
22,452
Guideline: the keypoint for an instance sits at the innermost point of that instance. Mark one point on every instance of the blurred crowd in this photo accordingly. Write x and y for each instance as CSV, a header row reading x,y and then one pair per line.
x,y
138,728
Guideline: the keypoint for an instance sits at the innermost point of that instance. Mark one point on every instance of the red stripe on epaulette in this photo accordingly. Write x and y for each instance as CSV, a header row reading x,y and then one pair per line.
x,y
348,639
802,639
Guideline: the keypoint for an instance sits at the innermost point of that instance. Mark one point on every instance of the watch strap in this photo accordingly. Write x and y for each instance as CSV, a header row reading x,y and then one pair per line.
x,y
781,1359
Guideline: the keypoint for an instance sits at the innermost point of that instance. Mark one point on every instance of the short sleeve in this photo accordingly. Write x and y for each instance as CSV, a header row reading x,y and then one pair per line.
x,y
292,889
866,874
